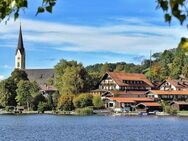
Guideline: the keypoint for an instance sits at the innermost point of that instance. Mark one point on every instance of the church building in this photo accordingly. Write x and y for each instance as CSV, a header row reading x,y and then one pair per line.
x,y
41,76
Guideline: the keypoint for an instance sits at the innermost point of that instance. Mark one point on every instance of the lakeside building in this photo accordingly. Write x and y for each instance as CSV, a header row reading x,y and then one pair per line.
x,y
171,84
168,95
179,105
118,104
122,84
124,92
41,76
125,81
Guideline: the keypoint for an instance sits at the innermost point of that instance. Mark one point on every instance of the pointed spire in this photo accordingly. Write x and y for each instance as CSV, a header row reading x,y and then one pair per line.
x,y
20,42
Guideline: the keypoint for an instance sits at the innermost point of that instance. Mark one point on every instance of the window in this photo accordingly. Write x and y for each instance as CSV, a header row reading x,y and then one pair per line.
x,y
111,104
18,64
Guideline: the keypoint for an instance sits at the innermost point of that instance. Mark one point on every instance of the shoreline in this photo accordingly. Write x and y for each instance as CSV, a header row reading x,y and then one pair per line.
x,y
161,114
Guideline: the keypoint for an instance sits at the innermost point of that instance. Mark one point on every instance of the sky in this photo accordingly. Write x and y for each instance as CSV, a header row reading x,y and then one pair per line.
x,y
88,31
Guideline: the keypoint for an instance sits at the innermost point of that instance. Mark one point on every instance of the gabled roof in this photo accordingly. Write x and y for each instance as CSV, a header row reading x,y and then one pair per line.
x,y
177,83
20,46
41,76
118,77
169,92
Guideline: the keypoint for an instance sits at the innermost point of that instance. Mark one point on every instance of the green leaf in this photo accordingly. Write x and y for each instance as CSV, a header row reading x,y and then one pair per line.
x,y
52,3
40,10
16,15
168,18
182,18
164,5
49,9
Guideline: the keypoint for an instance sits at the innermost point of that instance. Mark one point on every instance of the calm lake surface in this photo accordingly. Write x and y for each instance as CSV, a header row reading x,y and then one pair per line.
x,y
92,128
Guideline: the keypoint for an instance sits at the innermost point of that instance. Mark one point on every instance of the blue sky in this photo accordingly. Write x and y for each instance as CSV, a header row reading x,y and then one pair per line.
x,y
89,31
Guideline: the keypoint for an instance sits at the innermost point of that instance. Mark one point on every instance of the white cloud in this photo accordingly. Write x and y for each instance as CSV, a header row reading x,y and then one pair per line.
x,y
120,38
5,66
2,77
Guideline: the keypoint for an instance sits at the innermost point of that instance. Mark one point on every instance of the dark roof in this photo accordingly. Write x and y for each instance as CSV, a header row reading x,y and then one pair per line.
x,y
41,76
20,46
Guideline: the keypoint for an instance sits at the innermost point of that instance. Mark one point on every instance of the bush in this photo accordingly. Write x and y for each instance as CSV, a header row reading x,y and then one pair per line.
x,y
65,102
84,111
173,111
170,110
9,108
37,99
97,102
42,106
83,100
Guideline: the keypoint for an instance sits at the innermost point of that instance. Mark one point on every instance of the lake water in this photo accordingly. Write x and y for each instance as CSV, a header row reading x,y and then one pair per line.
x,y
92,128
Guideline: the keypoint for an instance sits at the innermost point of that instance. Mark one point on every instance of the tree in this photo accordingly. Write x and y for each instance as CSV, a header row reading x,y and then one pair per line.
x,y
83,100
97,102
174,8
177,64
105,68
55,98
24,93
71,77
36,100
166,59
60,69
18,75
13,7
119,68
72,81
93,80
50,82
65,102
157,72
9,86
5,94
185,70
42,106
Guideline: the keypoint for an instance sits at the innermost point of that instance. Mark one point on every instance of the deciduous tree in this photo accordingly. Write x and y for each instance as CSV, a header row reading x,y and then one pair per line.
x,y
65,102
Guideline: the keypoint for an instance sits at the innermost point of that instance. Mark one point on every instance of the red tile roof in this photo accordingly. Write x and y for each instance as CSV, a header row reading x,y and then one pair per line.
x,y
130,100
177,83
169,92
151,104
129,92
118,77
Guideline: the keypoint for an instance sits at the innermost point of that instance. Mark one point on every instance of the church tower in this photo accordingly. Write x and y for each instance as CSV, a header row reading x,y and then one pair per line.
x,y
20,53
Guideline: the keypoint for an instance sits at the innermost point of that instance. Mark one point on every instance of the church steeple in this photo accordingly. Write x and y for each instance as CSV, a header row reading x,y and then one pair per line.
x,y
20,52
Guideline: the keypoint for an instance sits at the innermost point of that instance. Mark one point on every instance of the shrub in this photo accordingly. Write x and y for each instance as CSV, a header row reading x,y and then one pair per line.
x,y
84,111
37,99
167,109
65,102
9,108
42,106
173,111
83,100
97,102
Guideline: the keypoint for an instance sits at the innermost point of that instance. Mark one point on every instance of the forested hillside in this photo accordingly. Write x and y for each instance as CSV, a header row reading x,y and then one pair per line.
x,y
170,63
